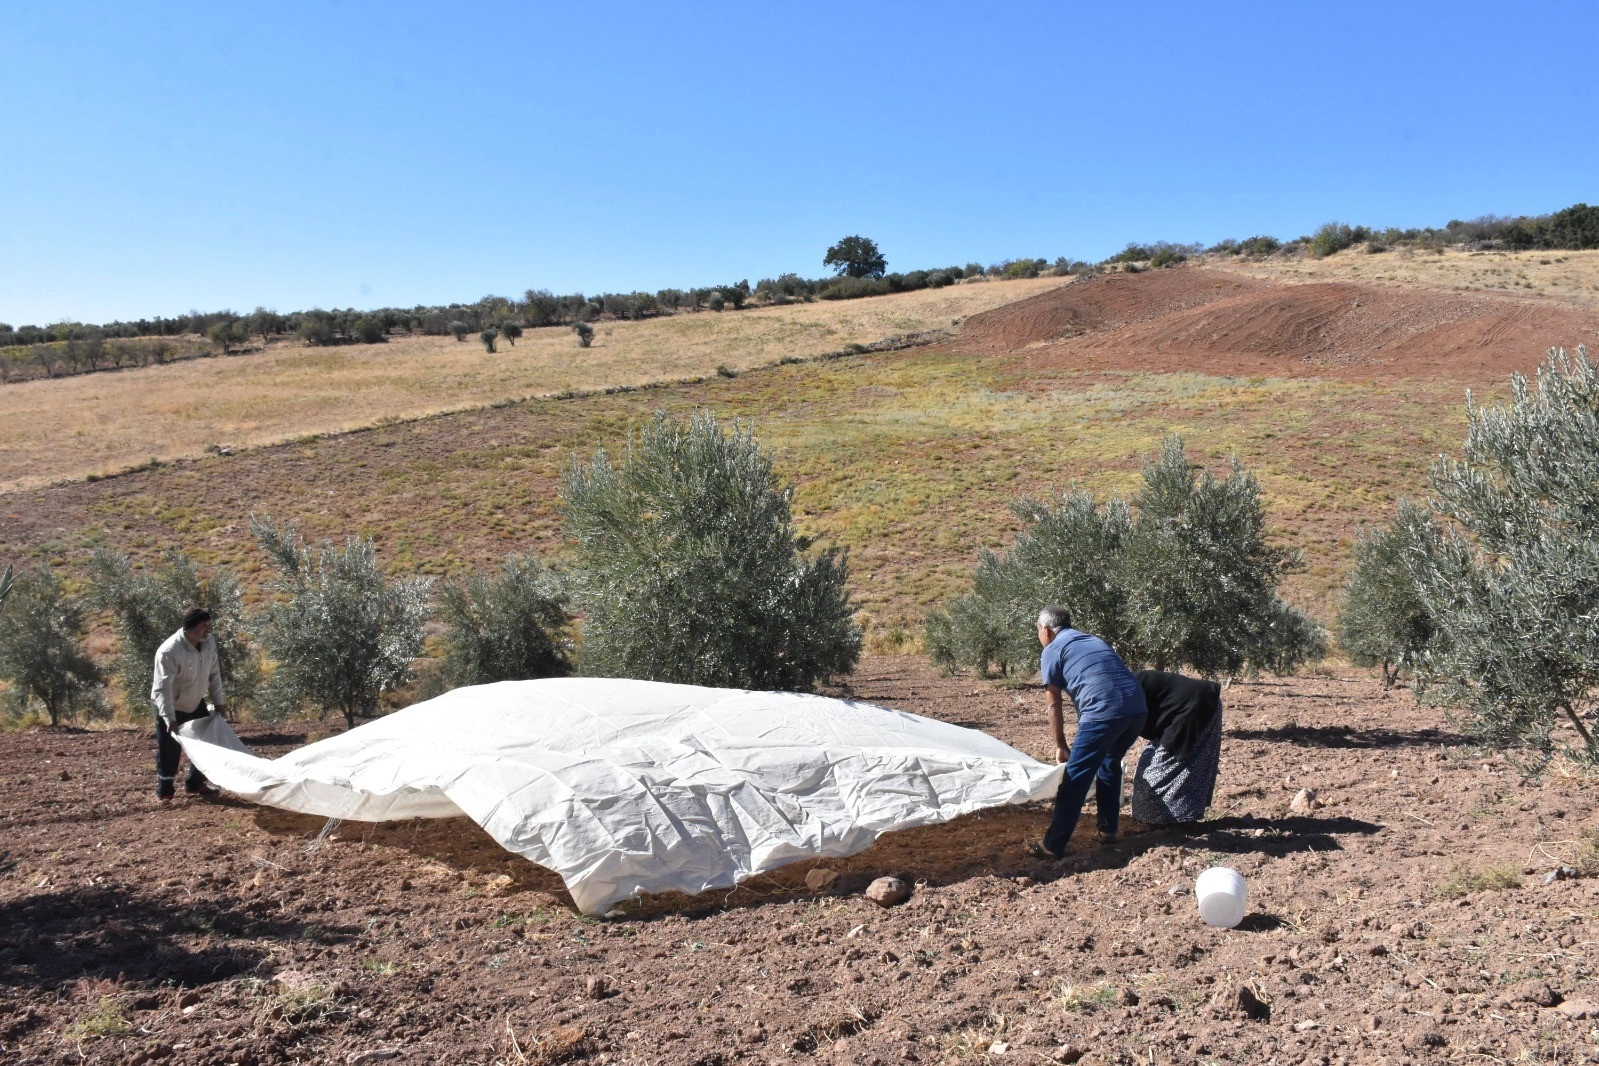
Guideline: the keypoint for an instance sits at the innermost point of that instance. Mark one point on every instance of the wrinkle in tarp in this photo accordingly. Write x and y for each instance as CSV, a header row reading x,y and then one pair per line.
x,y
626,787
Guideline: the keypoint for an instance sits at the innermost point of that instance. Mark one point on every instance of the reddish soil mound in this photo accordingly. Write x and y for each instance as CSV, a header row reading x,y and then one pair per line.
x,y
1395,923
1100,305
1194,320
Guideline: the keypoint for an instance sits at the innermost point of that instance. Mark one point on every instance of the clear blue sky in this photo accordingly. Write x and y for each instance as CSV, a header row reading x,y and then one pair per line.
x,y
158,157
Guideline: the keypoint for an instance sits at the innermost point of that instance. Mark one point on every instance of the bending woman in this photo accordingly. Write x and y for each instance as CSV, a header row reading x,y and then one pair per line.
x,y
1176,775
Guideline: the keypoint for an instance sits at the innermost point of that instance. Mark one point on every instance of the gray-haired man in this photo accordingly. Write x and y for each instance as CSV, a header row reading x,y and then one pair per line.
x,y
186,673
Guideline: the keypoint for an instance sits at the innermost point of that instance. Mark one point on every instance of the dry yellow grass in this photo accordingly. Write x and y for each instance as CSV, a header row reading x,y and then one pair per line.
x,y
75,427
1569,278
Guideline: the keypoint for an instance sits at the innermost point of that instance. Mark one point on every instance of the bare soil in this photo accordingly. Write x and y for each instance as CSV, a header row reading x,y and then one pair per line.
x,y
1405,919
1215,322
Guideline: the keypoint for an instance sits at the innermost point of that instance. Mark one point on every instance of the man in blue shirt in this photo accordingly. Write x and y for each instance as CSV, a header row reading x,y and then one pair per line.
x,y
1110,713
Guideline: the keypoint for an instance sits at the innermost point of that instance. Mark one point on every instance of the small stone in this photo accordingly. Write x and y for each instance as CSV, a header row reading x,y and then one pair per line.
x,y
1306,1026
597,987
65,776
1304,801
998,1047
1066,1054
756,1034
1561,873
361,1058
1177,890
188,999
1377,950
1579,1008
1024,882
818,879
888,891
1127,997
1532,991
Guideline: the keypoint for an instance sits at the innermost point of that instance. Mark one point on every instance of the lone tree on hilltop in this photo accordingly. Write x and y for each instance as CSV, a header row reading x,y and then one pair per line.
x,y
856,257
510,331
488,337
585,334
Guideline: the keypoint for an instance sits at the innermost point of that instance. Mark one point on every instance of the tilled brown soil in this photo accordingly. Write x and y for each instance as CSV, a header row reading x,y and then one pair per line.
x,y
1211,321
216,932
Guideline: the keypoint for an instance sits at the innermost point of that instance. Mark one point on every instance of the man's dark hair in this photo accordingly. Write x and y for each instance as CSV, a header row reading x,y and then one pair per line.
x,y
1055,617
194,616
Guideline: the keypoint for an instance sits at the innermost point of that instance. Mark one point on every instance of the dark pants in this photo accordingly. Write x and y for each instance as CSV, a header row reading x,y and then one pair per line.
x,y
1096,757
168,751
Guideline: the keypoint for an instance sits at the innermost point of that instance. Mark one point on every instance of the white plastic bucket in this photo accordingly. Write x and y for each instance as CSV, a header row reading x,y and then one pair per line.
x,y
1222,896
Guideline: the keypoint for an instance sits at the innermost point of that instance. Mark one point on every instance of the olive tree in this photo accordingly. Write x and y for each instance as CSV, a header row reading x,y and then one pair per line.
x,y
1384,621
585,334
339,631
688,567
488,338
148,606
510,331
1511,578
41,653
1180,576
511,626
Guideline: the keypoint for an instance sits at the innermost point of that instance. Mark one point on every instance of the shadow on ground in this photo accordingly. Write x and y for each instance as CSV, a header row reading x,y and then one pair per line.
x,y
1339,736
50,939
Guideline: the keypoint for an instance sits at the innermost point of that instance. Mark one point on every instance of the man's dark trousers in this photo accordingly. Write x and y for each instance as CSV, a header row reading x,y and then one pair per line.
x,y
168,751
1096,756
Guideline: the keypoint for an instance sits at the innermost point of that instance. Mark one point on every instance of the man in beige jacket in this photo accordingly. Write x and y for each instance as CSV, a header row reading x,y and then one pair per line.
x,y
186,673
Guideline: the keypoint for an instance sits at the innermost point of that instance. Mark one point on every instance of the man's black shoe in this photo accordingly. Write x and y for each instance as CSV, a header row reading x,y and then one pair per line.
x,y
201,788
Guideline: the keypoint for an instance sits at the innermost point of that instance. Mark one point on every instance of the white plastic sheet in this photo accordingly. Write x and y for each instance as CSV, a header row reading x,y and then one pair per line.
x,y
624,787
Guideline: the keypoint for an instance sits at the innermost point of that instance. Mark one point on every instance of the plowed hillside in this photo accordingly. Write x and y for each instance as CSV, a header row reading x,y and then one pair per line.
x,y
1204,321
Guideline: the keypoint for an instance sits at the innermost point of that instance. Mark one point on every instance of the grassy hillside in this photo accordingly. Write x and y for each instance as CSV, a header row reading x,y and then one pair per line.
x,y
103,423
1569,278
910,459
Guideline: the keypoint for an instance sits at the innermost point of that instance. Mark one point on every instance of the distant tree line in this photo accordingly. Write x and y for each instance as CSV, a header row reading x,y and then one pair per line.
x,y
860,270
1574,229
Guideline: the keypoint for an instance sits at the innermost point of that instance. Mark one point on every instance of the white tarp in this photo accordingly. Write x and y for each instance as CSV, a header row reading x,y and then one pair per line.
x,y
624,787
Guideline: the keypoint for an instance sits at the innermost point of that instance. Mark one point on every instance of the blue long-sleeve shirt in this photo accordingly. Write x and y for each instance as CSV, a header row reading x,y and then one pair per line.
x,y
1093,675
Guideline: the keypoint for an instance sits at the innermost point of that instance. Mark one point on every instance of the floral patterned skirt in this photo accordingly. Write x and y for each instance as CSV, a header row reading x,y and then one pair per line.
x,y
1166,791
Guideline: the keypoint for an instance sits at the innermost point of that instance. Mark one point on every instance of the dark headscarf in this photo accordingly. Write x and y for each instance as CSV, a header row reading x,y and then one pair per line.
x,y
1180,709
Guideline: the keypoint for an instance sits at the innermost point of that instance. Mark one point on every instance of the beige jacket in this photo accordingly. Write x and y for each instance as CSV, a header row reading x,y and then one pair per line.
x,y
185,675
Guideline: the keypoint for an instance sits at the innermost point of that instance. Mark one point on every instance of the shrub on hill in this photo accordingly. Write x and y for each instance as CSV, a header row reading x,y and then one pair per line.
x,y
688,568
41,654
510,331
1181,578
340,633
459,330
1575,228
316,329
1510,576
488,337
369,331
148,607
